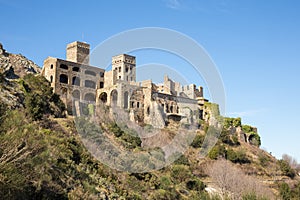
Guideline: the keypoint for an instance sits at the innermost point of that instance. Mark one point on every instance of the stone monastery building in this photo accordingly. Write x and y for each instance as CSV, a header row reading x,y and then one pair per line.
x,y
78,83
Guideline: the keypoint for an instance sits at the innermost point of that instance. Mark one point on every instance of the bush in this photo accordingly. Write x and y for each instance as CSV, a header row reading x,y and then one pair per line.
x,y
180,173
285,191
195,184
165,182
216,152
247,128
198,140
286,168
263,160
182,160
237,157
39,98
254,139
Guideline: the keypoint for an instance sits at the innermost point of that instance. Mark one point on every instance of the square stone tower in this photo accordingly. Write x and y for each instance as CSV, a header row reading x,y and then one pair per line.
x,y
123,67
78,52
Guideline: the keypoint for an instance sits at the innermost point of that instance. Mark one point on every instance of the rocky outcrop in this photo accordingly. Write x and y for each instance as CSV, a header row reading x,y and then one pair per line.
x,y
14,66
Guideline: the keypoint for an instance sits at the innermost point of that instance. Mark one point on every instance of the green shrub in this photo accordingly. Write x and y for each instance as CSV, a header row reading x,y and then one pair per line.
x,y
254,139
247,128
180,173
286,168
285,191
165,182
164,194
182,160
198,140
195,184
237,156
263,160
39,98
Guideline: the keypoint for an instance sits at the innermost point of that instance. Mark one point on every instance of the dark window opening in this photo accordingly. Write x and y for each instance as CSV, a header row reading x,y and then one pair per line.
x,y
76,81
119,69
63,78
90,73
126,69
101,74
101,84
103,97
148,110
51,79
138,104
76,69
90,84
119,77
51,66
132,104
63,66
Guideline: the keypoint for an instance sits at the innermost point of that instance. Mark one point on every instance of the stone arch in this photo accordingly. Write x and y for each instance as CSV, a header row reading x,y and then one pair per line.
x,y
76,81
90,97
114,97
126,100
103,97
76,94
63,78
64,92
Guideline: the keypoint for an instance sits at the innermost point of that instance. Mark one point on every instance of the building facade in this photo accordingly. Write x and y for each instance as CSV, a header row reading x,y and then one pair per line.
x,y
145,102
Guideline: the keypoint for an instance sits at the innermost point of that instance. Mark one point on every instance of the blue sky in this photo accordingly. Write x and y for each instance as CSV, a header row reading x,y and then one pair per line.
x,y
255,45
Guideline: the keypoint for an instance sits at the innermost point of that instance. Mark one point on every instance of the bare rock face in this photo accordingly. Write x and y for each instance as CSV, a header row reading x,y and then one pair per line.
x,y
15,66
12,67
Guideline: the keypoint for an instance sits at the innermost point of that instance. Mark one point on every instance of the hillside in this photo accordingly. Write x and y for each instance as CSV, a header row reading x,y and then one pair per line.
x,y
42,155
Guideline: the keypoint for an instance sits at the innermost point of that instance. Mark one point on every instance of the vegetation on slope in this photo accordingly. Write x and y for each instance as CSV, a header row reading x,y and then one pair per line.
x,y
42,157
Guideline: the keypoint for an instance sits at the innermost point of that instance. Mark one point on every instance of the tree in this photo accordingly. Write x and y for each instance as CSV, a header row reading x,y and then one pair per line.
x,y
232,181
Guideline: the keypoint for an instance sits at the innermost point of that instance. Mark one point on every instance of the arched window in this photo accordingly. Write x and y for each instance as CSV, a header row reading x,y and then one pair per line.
x,y
90,84
171,109
76,94
88,72
76,81
103,97
114,97
89,97
63,66
63,78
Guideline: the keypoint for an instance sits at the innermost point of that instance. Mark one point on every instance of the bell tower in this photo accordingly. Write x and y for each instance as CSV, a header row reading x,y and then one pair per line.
x,y
123,67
